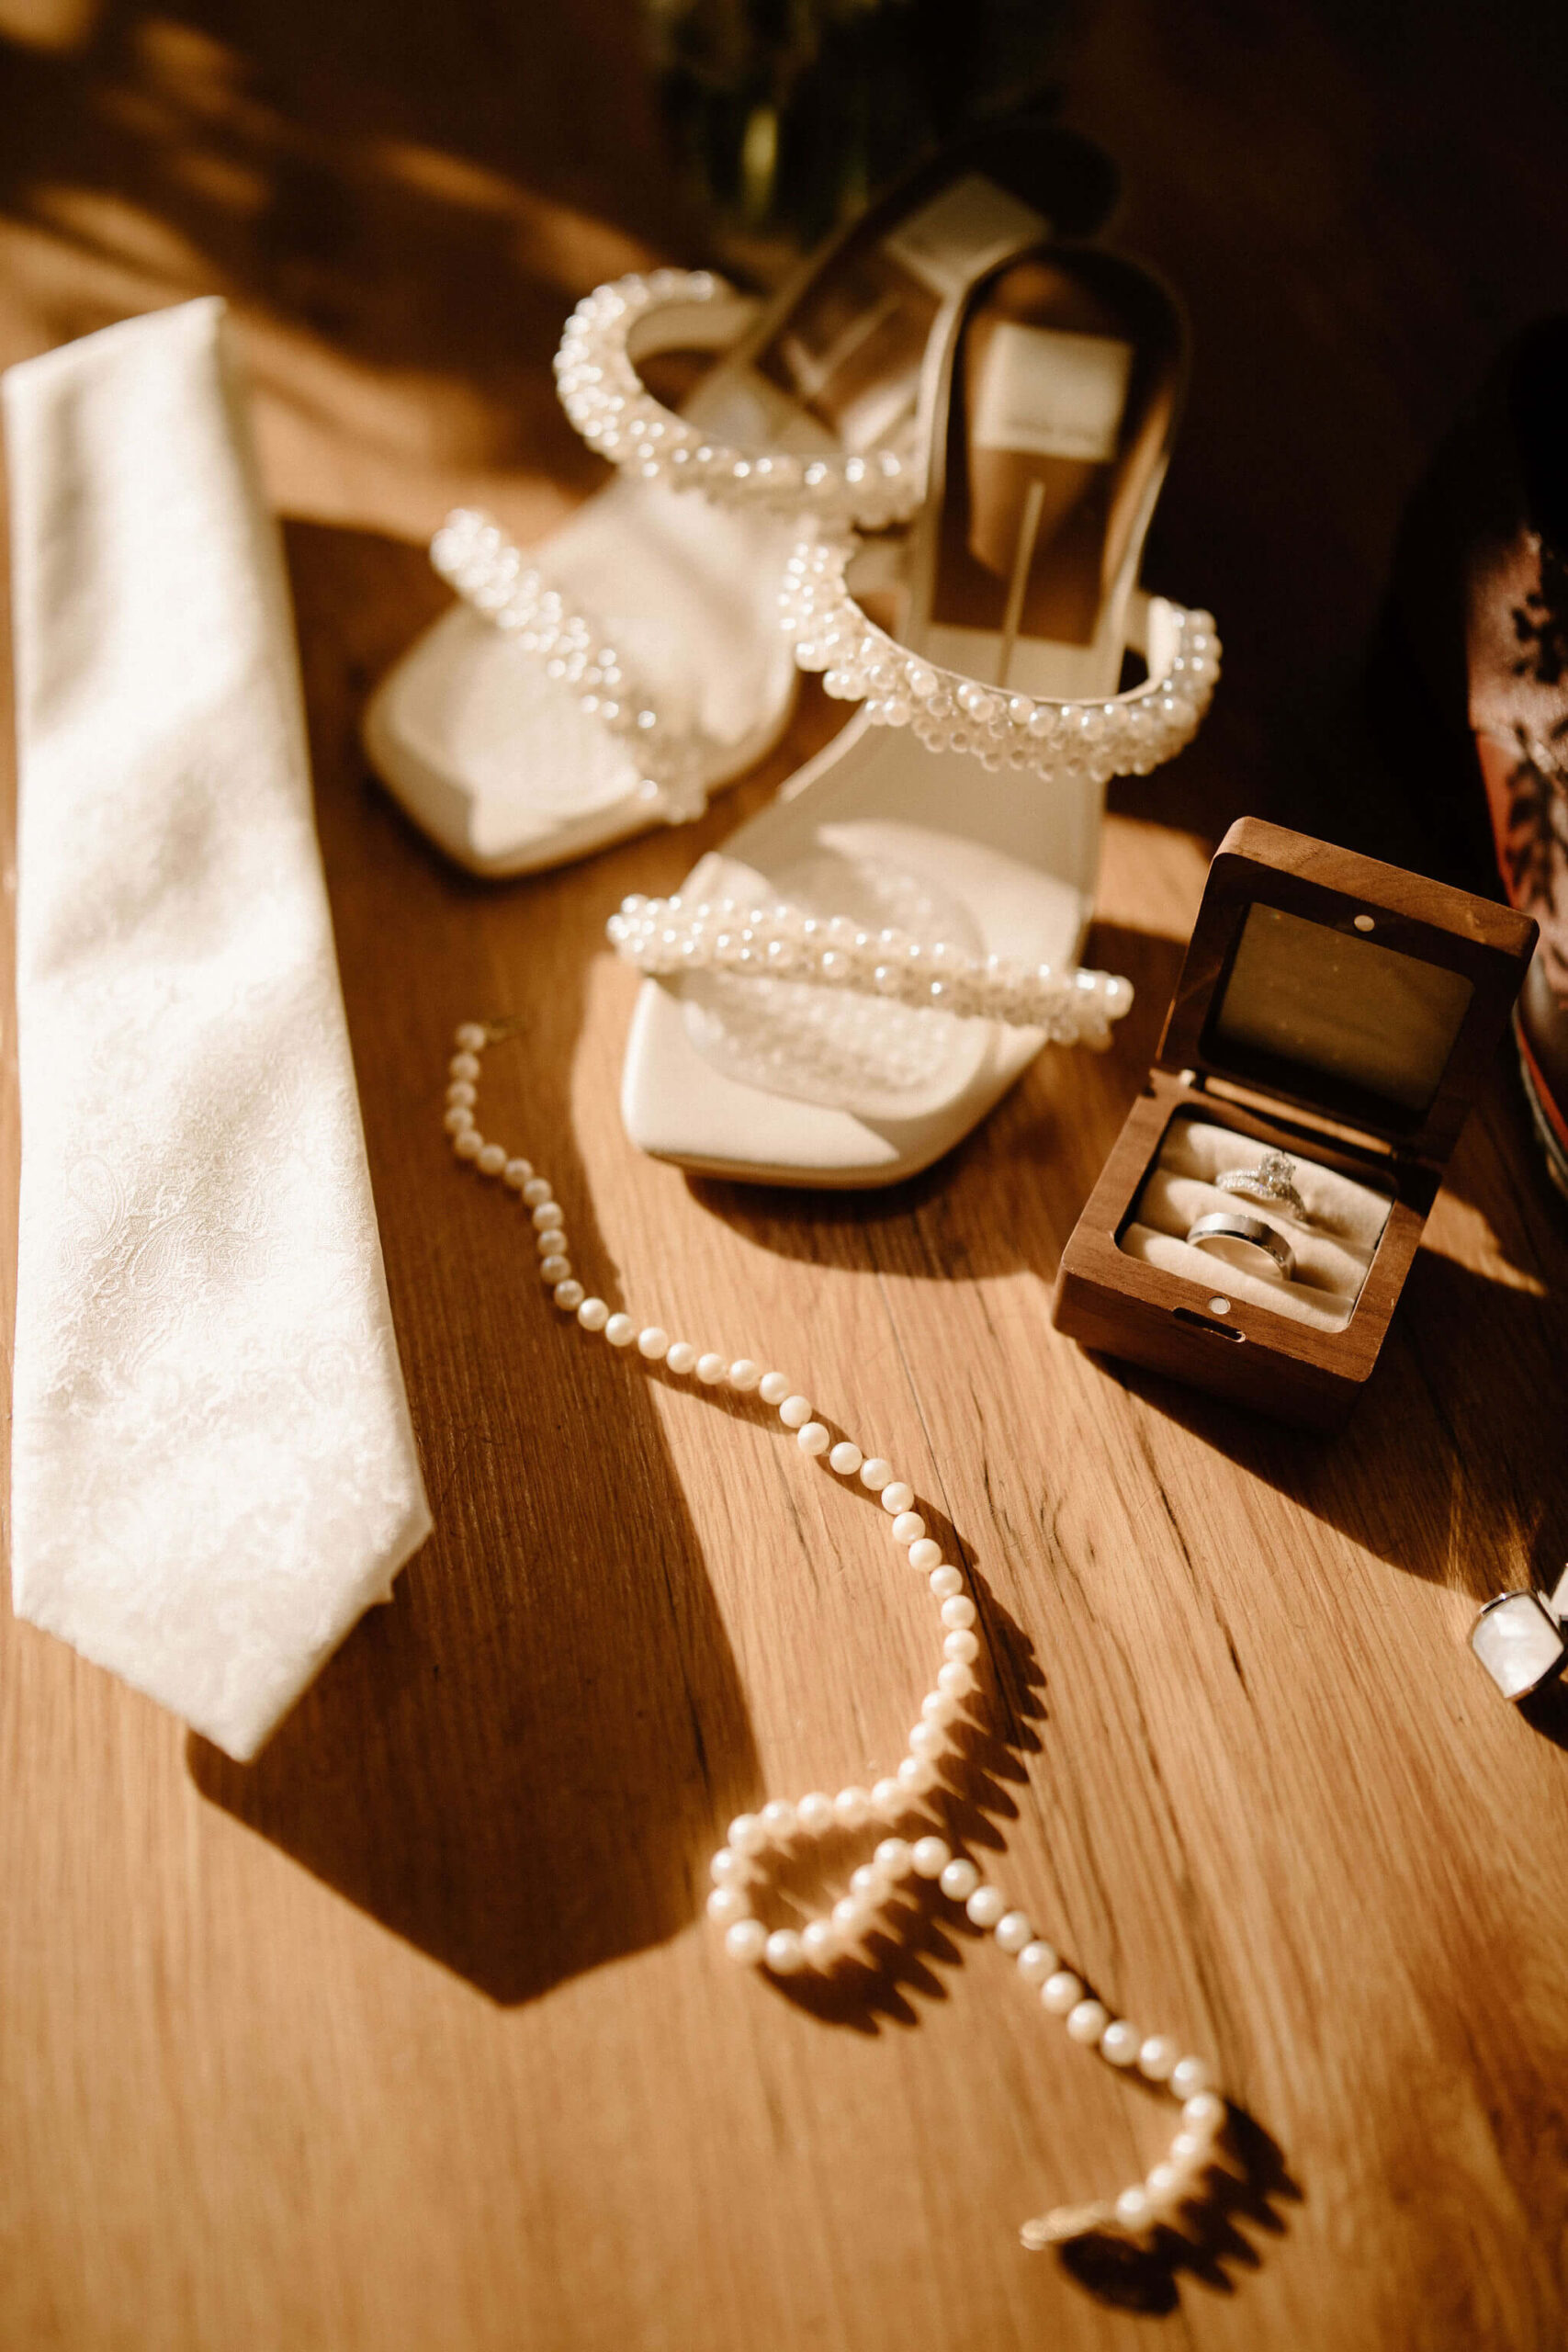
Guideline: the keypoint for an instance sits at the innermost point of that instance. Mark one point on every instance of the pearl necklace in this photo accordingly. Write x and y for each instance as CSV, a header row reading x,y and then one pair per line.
x,y
741,1865
664,936
1127,734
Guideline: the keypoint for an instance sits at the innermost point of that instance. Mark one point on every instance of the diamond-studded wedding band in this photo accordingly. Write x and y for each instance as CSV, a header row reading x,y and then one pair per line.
x,y
1270,1181
1246,1233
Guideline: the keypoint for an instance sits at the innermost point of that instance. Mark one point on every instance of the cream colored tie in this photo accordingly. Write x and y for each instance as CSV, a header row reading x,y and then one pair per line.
x,y
213,1471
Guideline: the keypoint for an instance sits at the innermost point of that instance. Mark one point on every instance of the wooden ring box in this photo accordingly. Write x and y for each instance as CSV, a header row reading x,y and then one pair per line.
x,y
1334,1008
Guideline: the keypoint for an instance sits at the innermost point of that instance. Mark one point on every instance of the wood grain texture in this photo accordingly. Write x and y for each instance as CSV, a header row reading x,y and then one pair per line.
x,y
412,2034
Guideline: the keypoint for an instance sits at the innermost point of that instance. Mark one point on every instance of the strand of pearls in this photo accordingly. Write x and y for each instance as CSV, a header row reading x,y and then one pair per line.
x,y
661,936
474,556
902,1800
616,415
1126,735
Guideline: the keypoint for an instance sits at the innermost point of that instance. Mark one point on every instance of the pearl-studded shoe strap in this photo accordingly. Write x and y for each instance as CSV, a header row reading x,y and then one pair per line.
x,y
664,938
475,556
610,405
1126,734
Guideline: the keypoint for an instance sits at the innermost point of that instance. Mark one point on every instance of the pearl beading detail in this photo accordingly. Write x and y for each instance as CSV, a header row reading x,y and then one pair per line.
x,y
473,554
1126,734
664,937
901,1797
616,415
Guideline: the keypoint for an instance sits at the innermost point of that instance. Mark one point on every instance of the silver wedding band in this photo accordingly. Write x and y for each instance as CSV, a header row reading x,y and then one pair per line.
x,y
1248,1233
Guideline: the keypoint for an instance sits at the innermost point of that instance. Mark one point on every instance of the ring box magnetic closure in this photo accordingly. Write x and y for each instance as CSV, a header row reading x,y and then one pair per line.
x,y
1331,1007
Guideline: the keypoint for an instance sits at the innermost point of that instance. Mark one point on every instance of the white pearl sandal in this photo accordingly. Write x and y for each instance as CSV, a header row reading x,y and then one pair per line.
x,y
846,990
614,678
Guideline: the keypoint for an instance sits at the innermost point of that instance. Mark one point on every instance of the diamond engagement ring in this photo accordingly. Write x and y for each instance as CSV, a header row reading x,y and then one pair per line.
x,y
1246,1234
1270,1181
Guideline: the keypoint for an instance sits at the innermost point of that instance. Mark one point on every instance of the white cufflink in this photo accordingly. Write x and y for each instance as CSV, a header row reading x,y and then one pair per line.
x,y
1518,1638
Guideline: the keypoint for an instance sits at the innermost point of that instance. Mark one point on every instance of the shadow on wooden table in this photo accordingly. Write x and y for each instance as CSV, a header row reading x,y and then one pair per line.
x,y
925,1934
427,201
1251,2184
1464,1353
517,1765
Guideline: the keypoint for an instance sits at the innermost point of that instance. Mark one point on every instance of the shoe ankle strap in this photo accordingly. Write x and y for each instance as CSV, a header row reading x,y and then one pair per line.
x,y
473,554
665,938
1124,734
607,401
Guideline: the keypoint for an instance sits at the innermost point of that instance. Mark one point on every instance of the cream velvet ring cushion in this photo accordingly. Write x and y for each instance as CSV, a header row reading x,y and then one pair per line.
x,y
1333,1245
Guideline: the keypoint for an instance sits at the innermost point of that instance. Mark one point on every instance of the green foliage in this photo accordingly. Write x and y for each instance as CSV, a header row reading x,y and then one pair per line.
x,y
787,113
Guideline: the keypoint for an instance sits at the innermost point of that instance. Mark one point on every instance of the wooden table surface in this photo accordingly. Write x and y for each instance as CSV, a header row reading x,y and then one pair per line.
x,y
412,2034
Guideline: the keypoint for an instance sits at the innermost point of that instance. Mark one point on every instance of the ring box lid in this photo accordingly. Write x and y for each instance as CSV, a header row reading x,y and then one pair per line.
x,y
1366,995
